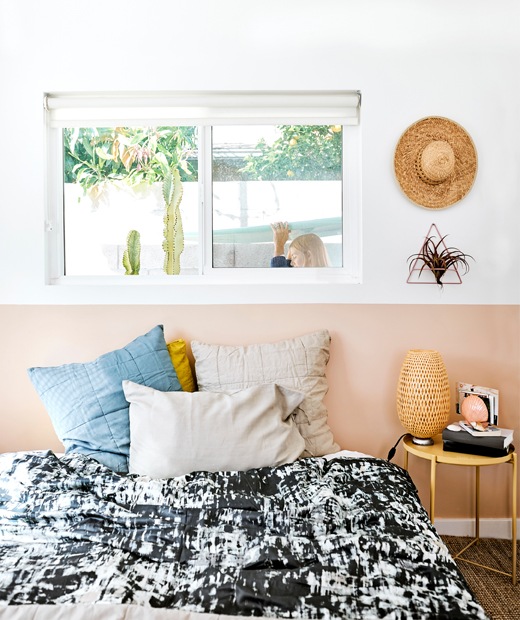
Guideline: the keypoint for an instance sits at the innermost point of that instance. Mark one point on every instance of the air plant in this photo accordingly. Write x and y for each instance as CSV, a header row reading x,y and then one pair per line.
x,y
439,259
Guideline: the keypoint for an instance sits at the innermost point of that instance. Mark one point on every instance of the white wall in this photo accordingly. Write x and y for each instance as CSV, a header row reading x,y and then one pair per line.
x,y
410,59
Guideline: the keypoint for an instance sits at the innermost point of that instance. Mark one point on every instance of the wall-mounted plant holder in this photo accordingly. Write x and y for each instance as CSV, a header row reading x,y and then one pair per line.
x,y
436,263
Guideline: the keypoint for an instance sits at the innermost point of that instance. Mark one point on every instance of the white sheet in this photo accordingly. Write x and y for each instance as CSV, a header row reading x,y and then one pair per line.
x,y
100,611
352,454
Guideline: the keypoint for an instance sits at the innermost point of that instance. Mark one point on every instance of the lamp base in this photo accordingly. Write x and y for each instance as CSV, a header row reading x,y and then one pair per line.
x,y
422,441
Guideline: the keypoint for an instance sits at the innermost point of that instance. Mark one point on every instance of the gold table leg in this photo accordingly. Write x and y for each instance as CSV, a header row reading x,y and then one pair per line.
x,y
513,516
458,555
477,502
433,474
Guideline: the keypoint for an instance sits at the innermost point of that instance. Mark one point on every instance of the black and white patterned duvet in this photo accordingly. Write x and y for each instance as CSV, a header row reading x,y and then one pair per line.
x,y
345,538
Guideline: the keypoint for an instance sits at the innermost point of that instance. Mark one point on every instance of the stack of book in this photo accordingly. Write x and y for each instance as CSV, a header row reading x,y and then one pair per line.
x,y
493,441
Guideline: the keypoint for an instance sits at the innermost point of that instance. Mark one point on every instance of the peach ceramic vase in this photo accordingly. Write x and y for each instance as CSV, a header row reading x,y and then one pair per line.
x,y
423,395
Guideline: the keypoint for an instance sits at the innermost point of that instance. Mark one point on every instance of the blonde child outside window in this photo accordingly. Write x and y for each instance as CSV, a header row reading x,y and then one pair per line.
x,y
304,251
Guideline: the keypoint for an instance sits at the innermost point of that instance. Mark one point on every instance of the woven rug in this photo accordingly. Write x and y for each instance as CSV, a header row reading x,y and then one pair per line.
x,y
495,592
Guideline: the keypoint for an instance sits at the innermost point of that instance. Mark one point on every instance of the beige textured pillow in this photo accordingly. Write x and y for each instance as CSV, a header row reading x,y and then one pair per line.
x,y
211,432
298,363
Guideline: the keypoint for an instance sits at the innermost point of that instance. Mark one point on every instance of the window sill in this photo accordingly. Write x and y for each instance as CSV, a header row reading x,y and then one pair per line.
x,y
239,277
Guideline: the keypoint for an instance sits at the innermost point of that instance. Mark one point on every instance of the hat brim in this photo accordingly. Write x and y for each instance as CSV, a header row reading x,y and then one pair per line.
x,y
409,148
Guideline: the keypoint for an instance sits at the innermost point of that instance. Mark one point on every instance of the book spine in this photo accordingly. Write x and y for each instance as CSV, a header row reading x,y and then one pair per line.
x,y
466,448
462,436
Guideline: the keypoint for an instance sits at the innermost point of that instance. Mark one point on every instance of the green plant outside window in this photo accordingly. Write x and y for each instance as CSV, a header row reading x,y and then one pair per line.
x,y
132,161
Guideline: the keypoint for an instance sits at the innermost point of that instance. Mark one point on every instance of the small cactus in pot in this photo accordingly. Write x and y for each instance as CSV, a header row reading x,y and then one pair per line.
x,y
132,254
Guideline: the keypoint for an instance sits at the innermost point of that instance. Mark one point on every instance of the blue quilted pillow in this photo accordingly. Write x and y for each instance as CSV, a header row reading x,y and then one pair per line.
x,y
87,404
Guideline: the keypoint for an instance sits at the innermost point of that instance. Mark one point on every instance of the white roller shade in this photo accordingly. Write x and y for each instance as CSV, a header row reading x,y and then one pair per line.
x,y
203,108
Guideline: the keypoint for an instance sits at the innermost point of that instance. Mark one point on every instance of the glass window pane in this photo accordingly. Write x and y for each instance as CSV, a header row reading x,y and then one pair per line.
x,y
266,174
114,181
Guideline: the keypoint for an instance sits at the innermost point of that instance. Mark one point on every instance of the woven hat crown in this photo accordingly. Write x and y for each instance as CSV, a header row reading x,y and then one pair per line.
x,y
436,162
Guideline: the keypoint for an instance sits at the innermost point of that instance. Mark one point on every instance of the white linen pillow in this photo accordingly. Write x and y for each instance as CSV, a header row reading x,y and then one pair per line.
x,y
175,433
297,363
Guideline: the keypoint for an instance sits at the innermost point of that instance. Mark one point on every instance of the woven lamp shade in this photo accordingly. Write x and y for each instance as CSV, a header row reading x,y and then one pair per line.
x,y
423,395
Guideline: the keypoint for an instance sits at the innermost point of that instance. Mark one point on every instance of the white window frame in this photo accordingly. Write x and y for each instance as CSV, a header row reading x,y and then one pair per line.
x,y
206,109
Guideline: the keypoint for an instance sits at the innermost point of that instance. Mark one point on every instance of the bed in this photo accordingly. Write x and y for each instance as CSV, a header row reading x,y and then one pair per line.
x,y
191,525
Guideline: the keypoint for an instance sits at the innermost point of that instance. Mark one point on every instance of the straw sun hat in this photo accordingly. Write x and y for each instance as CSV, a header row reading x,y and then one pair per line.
x,y
435,162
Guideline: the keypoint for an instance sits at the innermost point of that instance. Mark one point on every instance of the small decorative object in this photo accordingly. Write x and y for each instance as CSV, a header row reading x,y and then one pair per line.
x,y
423,395
477,404
474,411
435,162
437,257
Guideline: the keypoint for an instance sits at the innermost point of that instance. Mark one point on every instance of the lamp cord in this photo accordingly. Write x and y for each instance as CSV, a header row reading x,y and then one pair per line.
x,y
391,452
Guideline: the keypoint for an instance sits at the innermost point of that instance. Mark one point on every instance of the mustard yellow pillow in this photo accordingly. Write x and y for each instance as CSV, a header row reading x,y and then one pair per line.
x,y
181,363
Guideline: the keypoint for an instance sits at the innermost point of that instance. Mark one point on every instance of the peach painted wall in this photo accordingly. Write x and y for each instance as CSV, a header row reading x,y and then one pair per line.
x,y
479,344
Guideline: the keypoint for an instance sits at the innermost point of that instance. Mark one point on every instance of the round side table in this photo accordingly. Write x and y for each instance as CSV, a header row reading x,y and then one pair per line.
x,y
435,454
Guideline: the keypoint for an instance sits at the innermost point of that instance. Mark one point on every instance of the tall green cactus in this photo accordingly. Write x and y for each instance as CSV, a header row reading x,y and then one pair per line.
x,y
173,244
132,254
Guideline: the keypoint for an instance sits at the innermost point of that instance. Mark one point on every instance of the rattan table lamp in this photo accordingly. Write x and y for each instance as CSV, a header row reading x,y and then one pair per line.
x,y
423,395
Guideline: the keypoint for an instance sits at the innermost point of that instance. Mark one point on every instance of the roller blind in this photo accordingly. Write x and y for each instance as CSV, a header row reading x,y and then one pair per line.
x,y
203,108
